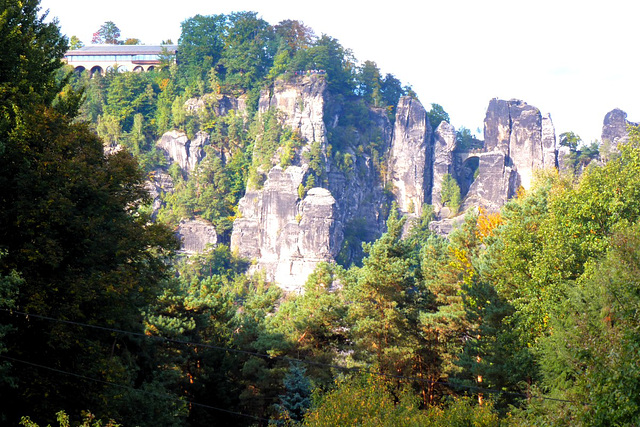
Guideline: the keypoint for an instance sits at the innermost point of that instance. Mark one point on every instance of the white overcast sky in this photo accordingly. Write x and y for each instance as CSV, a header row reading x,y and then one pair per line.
x,y
576,60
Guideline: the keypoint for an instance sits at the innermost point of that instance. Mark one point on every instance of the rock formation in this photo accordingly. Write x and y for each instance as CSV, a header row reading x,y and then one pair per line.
x,y
411,157
301,103
517,142
220,105
443,146
614,129
195,235
178,148
287,236
159,184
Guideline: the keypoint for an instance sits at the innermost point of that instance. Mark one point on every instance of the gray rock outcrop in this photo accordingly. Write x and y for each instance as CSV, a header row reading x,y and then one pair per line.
x,y
286,236
444,142
301,104
517,142
220,105
158,184
411,157
195,235
178,148
614,129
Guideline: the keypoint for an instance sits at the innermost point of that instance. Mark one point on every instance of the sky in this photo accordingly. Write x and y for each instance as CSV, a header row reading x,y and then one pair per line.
x,y
576,60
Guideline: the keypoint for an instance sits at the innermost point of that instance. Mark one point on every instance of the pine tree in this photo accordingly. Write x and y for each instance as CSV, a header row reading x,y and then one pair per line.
x,y
297,398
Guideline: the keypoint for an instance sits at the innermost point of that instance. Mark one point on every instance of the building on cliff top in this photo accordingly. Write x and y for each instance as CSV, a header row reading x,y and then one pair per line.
x,y
104,58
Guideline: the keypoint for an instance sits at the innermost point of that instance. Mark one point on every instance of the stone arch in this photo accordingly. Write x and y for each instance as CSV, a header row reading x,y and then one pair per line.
x,y
151,68
138,69
96,69
467,174
79,69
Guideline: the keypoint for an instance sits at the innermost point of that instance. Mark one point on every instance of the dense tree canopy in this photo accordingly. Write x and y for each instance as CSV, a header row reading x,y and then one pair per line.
x,y
527,316
74,244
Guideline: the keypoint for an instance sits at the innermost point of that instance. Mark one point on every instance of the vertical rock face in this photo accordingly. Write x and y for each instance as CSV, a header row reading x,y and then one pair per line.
x,y
178,148
614,128
411,156
444,142
221,105
195,235
301,103
159,184
287,236
549,145
518,140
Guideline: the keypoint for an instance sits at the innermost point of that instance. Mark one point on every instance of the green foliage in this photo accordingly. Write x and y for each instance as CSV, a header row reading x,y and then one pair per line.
x,y
88,420
392,90
465,141
436,115
316,158
201,43
32,52
367,400
297,399
72,230
462,412
570,139
75,43
369,83
249,50
108,33
270,137
450,193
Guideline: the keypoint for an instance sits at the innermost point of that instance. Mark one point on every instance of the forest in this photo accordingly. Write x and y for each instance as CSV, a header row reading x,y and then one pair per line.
x,y
529,316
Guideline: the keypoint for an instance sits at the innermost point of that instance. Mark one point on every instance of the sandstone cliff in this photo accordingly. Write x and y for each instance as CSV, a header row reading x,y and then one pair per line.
x,y
614,129
287,227
284,234
301,103
518,140
288,231
443,162
178,148
411,157
195,235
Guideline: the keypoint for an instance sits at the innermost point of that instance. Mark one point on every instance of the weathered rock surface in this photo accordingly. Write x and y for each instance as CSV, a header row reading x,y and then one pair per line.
x,y
195,235
549,144
221,105
286,236
444,142
178,148
411,156
159,184
614,128
517,142
301,103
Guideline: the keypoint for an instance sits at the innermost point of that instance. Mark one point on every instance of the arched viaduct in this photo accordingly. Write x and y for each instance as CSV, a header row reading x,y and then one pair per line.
x,y
104,58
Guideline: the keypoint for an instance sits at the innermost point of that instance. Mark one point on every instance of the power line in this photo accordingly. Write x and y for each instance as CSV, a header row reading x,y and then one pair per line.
x,y
162,395
290,359
175,341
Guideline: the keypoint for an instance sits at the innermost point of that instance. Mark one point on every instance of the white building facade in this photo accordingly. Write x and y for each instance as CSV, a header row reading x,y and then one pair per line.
x,y
104,58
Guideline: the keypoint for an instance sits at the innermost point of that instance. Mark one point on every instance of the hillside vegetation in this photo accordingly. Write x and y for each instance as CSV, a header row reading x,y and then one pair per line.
x,y
524,317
